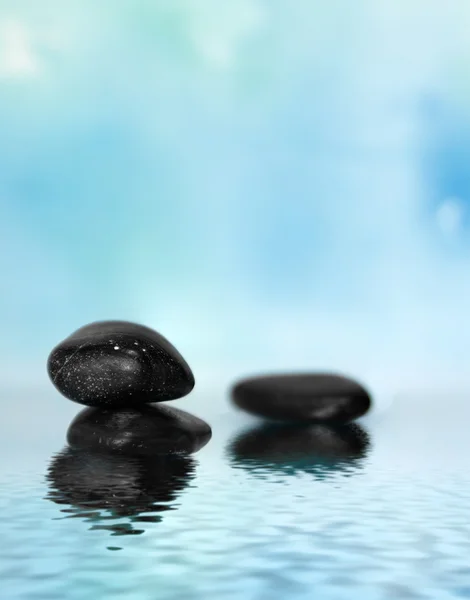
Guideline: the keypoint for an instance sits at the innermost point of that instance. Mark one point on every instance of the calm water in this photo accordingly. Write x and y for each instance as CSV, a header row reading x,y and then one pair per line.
x,y
380,513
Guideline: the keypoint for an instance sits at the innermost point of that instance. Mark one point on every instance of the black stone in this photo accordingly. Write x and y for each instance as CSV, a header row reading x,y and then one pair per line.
x,y
289,448
325,398
149,430
115,493
115,363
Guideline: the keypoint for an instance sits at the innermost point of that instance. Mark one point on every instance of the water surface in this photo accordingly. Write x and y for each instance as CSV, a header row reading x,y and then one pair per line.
x,y
378,512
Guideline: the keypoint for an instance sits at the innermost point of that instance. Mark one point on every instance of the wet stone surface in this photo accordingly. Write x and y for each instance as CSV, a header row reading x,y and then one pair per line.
x,y
111,364
148,430
325,398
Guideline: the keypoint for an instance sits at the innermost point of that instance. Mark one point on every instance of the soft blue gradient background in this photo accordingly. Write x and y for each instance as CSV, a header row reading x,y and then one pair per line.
x,y
269,184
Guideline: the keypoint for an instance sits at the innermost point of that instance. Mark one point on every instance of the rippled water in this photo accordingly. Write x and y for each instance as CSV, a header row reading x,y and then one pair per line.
x,y
378,513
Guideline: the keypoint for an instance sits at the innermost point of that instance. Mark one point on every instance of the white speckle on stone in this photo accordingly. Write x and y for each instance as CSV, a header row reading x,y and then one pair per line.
x,y
136,343
116,347
145,350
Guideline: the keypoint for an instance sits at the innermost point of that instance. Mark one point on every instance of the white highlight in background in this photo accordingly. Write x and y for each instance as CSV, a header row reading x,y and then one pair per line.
x,y
16,54
449,216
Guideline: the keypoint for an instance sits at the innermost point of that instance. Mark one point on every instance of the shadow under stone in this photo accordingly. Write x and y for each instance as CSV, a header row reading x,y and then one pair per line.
x,y
320,450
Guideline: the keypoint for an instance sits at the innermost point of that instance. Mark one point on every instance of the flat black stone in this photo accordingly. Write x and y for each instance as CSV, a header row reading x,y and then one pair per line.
x,y
117,493
325,398
112,364
149,430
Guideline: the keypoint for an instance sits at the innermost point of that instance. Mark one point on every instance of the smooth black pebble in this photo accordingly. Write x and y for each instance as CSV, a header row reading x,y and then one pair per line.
x,y
324,398
150,430
112,364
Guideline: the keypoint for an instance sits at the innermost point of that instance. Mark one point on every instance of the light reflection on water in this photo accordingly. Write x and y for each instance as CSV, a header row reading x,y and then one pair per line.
x,y
117,493
319,450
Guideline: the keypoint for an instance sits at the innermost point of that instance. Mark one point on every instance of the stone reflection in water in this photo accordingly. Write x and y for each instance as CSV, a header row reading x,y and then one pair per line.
x,y
321,450
117,493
